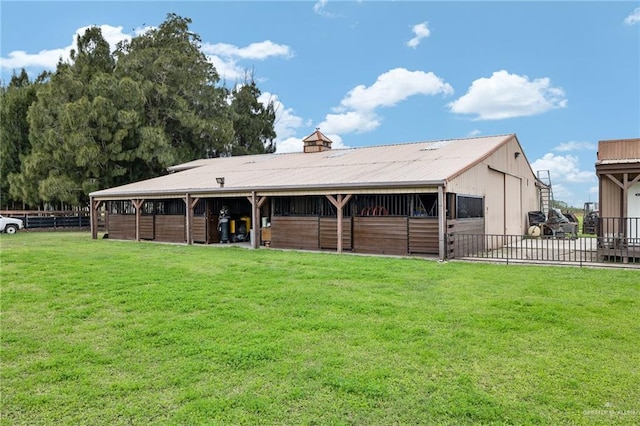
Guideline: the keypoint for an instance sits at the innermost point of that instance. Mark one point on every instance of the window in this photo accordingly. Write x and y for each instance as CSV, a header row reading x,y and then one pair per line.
x,y
121,207
382,205
304,206
469,207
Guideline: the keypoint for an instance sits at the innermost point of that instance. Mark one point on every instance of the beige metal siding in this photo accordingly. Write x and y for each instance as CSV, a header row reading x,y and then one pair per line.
x,y
494,203
502,174
514,220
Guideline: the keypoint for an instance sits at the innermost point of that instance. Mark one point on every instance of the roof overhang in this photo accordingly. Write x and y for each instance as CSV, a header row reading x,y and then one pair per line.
x,y
290,190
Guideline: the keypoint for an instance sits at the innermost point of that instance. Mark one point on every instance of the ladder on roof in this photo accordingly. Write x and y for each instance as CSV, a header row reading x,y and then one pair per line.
x,y
546,191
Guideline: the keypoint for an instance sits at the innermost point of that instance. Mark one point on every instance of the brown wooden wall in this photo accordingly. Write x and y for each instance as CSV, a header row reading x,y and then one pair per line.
x,y
122,226
329,233
380,235
170,228
423,235
199,229
619,149
295,232
147,227
457,245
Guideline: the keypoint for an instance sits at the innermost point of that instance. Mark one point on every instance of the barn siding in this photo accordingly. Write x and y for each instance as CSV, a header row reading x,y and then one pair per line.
x,y
122,226
494,203
610,198
380,235
494,178
147,227
295,232
423,235
199,229
170,228
329,233
619,149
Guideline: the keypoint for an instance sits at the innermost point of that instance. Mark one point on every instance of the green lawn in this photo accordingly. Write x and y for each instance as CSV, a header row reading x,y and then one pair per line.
x,y
108,332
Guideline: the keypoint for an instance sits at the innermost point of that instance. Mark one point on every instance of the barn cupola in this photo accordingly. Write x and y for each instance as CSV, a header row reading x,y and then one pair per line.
x,y
316,142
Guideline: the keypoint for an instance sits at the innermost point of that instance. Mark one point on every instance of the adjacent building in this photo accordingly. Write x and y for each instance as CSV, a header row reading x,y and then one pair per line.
x,y
618,170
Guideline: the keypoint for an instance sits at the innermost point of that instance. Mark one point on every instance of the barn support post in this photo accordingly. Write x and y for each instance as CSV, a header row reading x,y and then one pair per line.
x,y
190,204
442,223
93,217
339,202
137,204
256,205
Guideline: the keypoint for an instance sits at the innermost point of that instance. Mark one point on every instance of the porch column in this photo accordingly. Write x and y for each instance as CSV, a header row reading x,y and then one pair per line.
x,y
190,204
339,202
93,217
256,205
442,224
137,204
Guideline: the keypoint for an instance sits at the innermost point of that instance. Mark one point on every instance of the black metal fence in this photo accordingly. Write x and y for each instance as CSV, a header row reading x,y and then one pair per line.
x,y
55,221
617,242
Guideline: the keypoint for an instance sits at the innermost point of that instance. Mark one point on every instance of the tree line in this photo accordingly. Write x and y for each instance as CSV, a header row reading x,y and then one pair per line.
x,y
107,118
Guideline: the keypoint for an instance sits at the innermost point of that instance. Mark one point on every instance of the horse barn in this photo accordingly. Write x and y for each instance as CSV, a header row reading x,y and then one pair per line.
x,y
400,199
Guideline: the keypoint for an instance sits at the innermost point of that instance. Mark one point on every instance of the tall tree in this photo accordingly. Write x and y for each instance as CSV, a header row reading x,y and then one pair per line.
x,y
105,119
252,121
77,127
15,100
185,114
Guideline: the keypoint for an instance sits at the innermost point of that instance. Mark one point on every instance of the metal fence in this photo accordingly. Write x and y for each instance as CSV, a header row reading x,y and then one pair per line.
x,y
618,242
54,221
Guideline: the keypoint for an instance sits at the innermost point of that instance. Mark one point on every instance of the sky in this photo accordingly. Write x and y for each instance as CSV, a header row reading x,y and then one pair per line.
x,y
561,75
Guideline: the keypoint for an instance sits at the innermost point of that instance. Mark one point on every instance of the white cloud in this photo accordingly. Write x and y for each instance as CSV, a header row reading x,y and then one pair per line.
x,y
223,56
228,69
48,59
319,8
474,133
356,112
633,18
352,121
286,123
421,31
563,169
262,50
505,95
392,87
289,145
575,146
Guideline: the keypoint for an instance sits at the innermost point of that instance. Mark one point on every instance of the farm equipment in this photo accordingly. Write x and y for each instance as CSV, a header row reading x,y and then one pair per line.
x,y
556,224
591,213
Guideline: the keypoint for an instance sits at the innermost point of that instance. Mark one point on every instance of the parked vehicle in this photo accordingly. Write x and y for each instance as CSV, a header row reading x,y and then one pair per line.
x,y
10,225
591,213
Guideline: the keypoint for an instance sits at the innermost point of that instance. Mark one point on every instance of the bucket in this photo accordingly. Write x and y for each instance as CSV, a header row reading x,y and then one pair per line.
x,y
264,222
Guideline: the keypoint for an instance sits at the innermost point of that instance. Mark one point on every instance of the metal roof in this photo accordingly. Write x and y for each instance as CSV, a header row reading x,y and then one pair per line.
x,y
408,164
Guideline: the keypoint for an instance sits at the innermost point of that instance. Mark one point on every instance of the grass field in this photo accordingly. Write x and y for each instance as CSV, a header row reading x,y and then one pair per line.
x,y
108,332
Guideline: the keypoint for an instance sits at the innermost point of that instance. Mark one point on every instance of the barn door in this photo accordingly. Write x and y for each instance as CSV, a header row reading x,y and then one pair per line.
x,y
513,206
633,213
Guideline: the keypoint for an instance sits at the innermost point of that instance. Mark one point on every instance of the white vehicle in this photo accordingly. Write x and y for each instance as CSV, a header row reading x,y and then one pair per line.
x,y
10,225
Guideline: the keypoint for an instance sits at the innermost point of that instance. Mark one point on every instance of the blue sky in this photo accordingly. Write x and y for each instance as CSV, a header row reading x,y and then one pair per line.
x,y
561,75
